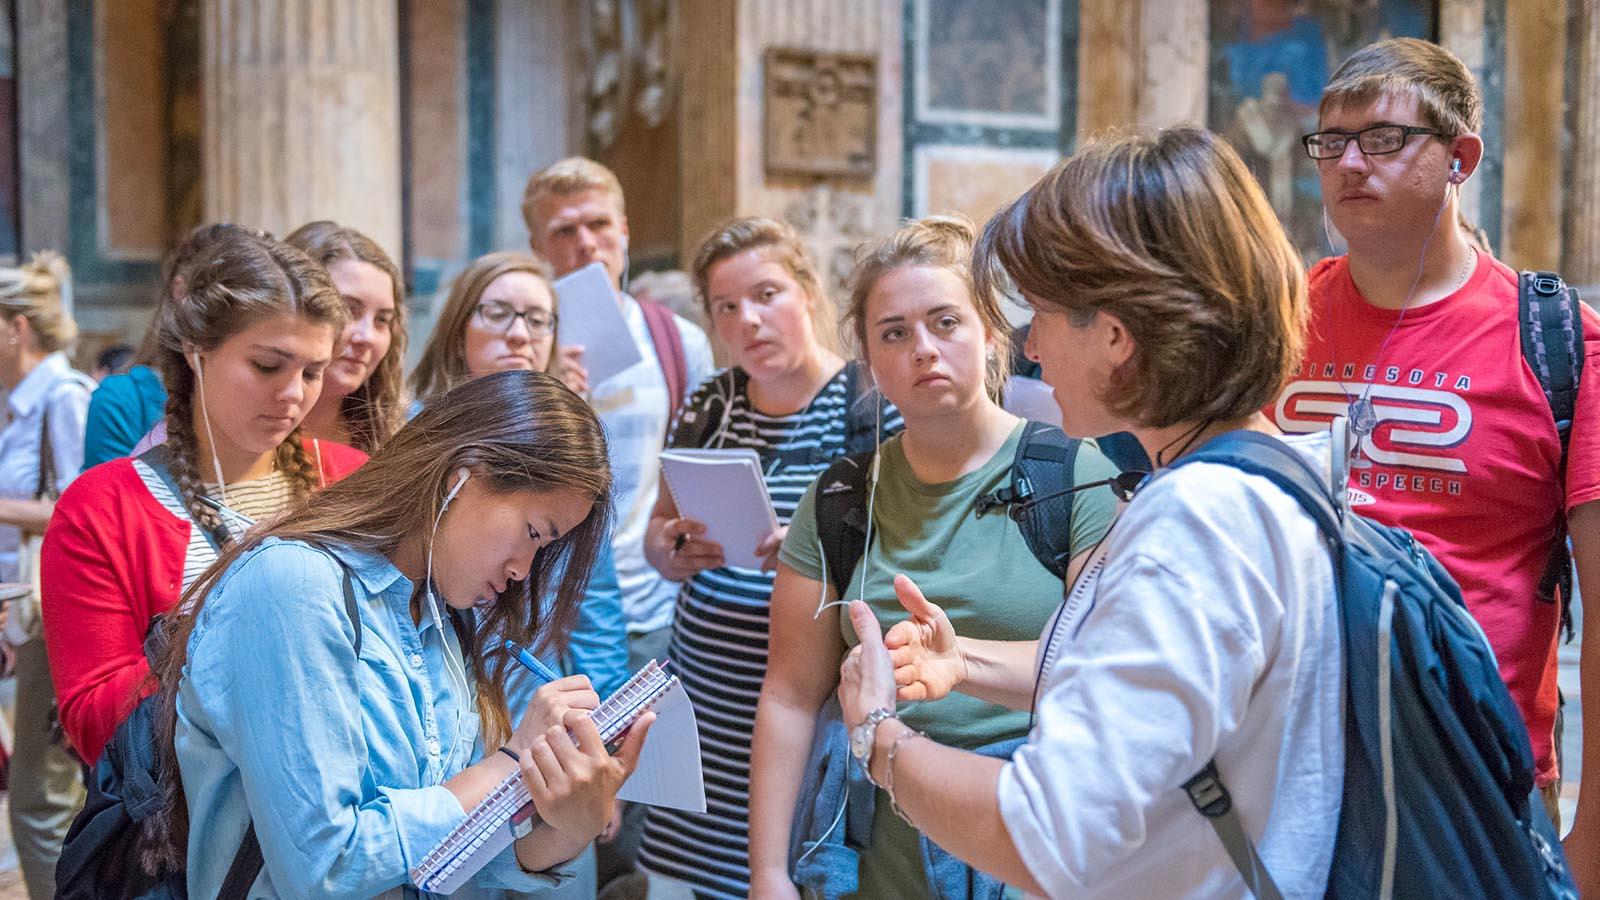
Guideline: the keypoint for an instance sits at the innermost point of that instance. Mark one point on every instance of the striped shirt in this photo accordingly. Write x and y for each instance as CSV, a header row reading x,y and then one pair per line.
x,y
256,499
719,639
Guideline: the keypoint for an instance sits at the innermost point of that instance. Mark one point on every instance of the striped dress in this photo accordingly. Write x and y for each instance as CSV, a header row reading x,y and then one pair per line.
x,y
719,641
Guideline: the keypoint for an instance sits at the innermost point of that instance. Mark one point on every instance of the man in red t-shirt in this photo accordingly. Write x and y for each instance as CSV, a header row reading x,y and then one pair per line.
x,y
1418,326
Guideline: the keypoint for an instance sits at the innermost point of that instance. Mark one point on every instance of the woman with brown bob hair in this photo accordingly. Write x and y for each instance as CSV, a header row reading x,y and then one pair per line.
x,y
1168,302
347,763
362,401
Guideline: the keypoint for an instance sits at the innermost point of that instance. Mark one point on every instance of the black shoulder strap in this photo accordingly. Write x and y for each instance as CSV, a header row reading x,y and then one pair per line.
x,y
246,866
157,459
1550,320
862,414
841,513
1044,462
697,424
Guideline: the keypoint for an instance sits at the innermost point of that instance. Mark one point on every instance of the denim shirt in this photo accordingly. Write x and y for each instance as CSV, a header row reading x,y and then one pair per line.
x,y
338,760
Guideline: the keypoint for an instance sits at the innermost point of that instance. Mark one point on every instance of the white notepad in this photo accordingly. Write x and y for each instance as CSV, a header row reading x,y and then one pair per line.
x,y
725,491
488,829
592,317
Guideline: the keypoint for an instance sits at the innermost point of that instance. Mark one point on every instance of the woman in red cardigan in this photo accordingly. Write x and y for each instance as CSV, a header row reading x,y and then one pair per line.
x,y
242,354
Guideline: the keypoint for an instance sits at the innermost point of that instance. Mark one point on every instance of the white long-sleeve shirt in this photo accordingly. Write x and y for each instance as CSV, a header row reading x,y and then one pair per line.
x,y
1211,631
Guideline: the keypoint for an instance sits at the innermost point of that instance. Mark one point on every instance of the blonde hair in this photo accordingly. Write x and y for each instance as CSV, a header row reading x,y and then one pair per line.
x,y
40,291
375,410
444,358
572,175
1171,235
943,242
784,247
1443,85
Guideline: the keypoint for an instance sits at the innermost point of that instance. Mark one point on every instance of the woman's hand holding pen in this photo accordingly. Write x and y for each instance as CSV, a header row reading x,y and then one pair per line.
x,y
679,548
549,708
575,784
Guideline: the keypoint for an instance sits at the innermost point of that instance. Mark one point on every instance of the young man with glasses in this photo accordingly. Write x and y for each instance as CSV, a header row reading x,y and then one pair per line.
x,y
1415,337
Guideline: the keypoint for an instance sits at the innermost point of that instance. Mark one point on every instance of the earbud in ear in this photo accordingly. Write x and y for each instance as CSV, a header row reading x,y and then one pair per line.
x,y
1455,171
462,474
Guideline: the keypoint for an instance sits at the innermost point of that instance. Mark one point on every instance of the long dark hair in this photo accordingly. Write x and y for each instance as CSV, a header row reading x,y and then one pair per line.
x,y
518,431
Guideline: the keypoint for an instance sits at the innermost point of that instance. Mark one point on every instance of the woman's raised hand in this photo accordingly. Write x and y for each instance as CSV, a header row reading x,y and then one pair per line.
x,y
928,663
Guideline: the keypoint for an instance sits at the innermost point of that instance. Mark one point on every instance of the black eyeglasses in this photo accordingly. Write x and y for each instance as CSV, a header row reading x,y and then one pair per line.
x,y
1374,141
498,316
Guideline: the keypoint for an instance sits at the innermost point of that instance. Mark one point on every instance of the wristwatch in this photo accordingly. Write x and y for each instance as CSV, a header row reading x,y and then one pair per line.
x,y
861,736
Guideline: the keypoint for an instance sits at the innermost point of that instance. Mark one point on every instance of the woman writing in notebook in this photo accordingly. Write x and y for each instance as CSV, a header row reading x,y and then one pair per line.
x,y
242,351
791,398
346,765
937,350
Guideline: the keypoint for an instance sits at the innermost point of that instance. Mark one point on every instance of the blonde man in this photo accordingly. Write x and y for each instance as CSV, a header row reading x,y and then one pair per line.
x,y
575,215
1416,330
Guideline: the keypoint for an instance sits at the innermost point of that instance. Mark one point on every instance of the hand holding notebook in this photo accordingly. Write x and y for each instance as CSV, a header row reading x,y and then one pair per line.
x,y
725,491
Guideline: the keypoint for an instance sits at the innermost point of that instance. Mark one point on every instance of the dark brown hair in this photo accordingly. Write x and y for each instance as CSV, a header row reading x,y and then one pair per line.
x,y
375,410
1170,234
517,431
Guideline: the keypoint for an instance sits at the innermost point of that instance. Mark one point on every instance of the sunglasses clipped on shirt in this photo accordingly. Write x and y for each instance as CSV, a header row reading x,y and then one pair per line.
x,y
1375,140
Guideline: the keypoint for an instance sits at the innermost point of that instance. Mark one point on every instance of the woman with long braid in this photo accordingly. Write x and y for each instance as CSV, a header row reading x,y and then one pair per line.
x,y
242,353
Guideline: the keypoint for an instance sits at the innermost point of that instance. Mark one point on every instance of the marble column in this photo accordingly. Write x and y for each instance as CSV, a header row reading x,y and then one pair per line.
x,y
1108,65
1461,32
1581,263
1175,62
302,116
1536,39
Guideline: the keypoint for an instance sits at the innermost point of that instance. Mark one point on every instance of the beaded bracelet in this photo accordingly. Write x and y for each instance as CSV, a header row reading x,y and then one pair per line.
x,y
889,772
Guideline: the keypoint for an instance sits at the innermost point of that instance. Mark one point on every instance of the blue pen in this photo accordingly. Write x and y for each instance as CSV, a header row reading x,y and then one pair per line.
x,y
531,663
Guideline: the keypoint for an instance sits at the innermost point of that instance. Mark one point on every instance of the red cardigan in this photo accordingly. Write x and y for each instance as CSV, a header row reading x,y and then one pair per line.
x,y
113,561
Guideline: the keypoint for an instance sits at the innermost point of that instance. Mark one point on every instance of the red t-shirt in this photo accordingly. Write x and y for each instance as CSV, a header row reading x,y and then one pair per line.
x,y
1465,454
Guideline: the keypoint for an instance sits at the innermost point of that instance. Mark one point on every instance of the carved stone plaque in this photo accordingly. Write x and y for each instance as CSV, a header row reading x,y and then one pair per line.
x,y
821,113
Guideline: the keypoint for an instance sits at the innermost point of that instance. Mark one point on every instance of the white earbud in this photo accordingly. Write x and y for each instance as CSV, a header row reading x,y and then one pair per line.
x,y
462,474
1455,171
205,418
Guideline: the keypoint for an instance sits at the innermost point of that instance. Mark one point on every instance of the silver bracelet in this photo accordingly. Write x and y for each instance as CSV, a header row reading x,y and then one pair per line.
x,y
889,772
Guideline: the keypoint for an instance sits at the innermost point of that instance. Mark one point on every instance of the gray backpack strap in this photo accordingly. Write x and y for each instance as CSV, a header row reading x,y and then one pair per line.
x,y
1212,800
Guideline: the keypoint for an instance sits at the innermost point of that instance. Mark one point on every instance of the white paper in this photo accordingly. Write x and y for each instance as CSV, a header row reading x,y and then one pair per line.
x,y
1032,399
725,491
669,772
592,317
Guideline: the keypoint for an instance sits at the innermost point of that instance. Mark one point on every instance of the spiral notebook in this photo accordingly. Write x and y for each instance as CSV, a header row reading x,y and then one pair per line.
x,y
490,827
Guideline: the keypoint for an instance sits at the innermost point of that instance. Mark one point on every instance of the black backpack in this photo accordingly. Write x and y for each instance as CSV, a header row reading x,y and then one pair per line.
x,y
1042,465
697,424
1550,318
101,855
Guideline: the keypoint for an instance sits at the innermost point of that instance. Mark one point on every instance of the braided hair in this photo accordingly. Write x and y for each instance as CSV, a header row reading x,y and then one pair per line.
x,y
240,277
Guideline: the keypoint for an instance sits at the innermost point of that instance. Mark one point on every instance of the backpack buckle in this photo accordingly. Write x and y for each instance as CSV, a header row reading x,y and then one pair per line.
x,y
1546,285
1207,793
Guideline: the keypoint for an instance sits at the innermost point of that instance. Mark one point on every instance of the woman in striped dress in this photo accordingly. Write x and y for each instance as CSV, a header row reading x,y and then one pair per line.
x,y
791,398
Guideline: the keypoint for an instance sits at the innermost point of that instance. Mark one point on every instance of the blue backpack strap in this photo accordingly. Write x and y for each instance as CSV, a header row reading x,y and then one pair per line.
x,y
1550,320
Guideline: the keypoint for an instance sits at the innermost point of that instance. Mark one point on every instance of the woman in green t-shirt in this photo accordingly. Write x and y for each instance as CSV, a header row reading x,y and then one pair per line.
x,y
938,353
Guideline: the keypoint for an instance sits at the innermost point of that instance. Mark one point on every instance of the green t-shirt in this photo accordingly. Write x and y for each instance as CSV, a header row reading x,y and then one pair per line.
x,y
980,571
